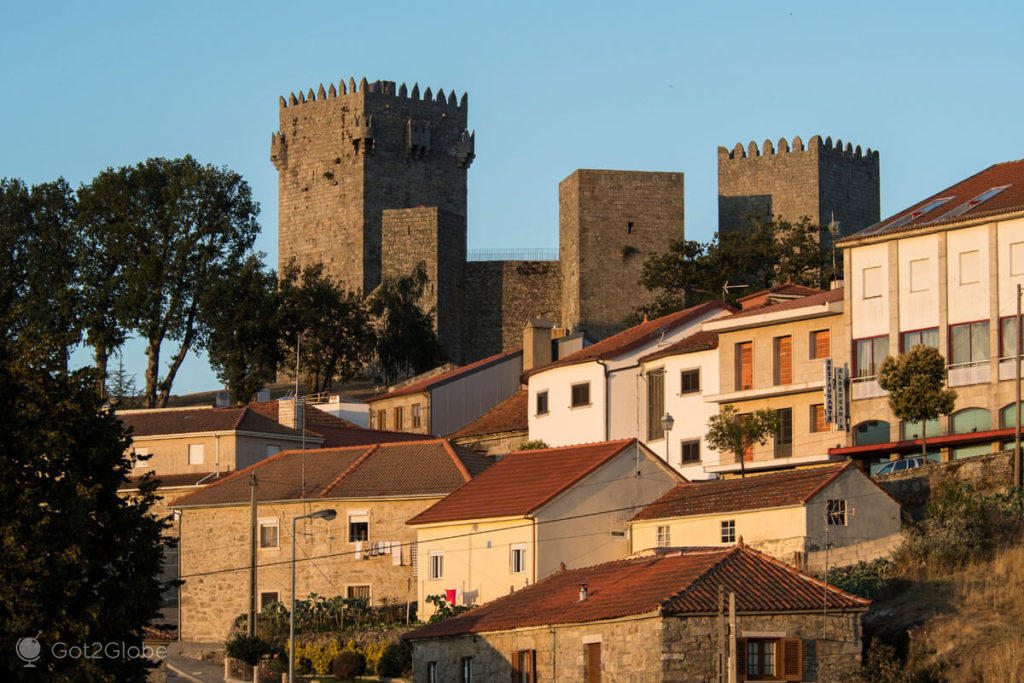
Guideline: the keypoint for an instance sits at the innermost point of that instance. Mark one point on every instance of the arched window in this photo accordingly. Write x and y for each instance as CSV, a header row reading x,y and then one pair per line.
x,y
870,433
912,430
1007,417
972,420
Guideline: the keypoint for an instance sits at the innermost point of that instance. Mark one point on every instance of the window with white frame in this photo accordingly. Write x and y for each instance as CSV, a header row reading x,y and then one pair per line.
x,y
836,512
436,561
517,558
268,533
664,537
195,454
358,526
729,531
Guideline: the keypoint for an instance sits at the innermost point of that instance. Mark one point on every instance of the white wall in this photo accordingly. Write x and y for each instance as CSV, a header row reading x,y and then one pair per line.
x,y
919,282
564,425
967,302
869,316
455,404
1009,233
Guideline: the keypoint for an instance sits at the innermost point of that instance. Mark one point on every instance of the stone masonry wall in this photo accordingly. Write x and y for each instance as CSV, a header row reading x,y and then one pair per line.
x,y
820,181
214,539
610,222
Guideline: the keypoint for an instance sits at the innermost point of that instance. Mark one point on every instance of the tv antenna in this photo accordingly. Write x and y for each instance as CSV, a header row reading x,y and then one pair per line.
x,y
726,287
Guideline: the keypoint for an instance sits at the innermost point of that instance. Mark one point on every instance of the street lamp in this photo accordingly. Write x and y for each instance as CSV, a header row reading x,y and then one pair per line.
x,y
326,515
666,424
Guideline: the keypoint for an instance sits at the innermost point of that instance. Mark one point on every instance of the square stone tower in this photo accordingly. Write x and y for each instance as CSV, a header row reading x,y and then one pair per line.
x,y
610,222
822,181
346,154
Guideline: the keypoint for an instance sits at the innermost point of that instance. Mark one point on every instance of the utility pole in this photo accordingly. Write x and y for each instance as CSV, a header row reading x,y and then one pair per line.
x,y
732,638
252,556
824,604
1018,462
720,659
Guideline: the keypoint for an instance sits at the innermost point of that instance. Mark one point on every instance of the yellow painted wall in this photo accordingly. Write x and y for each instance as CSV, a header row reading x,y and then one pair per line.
x,y
169,455
756,527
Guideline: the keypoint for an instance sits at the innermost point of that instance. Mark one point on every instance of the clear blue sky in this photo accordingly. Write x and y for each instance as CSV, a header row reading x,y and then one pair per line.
x,y
937,87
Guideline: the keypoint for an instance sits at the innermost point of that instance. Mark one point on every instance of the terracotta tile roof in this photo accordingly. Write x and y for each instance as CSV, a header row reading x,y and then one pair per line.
x,y
704,340
817,298
635,336
522,482
192,420
786,290
336,431
757,492
430,382
672,582
174,480
924,214
507,416
430,467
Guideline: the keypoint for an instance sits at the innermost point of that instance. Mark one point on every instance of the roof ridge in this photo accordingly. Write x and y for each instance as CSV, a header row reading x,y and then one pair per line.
x,y
457,460
730,552
593,468
233,475
356,463
807,577
536,451
241,416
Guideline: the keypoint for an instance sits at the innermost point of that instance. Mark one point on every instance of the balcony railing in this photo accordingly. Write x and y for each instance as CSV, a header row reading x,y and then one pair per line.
x,y
963,374
1006,370
866,387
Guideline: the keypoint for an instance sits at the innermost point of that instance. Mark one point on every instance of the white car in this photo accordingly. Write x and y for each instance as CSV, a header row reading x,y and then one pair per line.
x,y
900,465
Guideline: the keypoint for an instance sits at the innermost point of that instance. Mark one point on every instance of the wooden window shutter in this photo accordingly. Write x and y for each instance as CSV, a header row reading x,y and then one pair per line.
x,y
741,659
792,659
516,654
532,659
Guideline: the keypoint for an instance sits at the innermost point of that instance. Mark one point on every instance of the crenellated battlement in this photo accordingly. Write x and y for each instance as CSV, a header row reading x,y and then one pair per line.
x,y
815,146
379,87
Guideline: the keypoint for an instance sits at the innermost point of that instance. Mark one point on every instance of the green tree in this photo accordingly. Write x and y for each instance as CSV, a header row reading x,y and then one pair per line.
x,y
78,562
916,384
242,313
760,254
180,226
120,389
734,432
406,342
334,326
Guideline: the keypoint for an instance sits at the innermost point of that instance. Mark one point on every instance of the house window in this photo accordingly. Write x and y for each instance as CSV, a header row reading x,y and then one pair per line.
x,y
436,565
761,659
836,512
267,599
398,418
432,672
268,534
769,659
139,461
821,344
517,559
361,592
912,430
729,531
868,355
928,337
968,343
784,435
1008,337
655,404
783,348
744,365
358,527
581,394
524,666
195,454
542,402
817,418
871,279
920,275
969,267
664,537
416,419
592,663
382,419
689,381
466,670
689,452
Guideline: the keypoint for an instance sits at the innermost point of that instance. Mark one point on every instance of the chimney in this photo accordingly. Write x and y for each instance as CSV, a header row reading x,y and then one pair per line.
x,y
536,343
583,592
288,413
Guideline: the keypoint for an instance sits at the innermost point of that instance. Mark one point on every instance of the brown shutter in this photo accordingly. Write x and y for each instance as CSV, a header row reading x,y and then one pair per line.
x,y
792,659
515,666
594,663
532,660
784,360
741,659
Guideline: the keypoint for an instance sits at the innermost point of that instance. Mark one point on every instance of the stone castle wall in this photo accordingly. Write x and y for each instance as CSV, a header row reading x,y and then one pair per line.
x,y
820,181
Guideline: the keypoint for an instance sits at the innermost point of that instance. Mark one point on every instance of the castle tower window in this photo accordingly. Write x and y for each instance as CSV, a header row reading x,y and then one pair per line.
x,y
629,228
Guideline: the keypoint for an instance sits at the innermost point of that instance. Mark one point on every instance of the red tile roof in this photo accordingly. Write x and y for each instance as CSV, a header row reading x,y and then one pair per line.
x,y
175,480
818,298
432,467
193,420
673,582
705,340
522,482
779,291
430,382
757,492
336,431
635,336
960,195
507,416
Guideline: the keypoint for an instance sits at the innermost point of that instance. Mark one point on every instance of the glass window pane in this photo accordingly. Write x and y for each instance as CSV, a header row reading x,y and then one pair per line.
x,y
864,358
979,342
930,338
959,344
971,420
881,350
1008,417
1008,339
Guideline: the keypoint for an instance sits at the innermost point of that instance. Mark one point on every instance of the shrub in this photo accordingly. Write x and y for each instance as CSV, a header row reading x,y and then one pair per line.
x,y
396,660
250,649
348,664
320,654
445,610
534,445
866,579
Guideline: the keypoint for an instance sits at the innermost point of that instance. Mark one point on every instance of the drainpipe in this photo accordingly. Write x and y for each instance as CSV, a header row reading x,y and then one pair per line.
x,y
607,403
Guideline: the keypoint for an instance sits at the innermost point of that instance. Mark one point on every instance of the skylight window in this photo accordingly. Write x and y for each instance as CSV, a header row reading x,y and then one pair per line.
x,y
917,213
969,205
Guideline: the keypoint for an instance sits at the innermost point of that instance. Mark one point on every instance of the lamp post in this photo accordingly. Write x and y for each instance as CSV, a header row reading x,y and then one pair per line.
x,y
327,515
667,422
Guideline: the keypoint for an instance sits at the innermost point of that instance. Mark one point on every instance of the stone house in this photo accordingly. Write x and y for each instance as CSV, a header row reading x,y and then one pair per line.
x,y
786,514
502,429
531,513
944,273
365,552
654,617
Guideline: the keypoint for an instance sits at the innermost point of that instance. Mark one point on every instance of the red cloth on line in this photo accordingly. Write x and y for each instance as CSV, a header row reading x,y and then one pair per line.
x,y
449,595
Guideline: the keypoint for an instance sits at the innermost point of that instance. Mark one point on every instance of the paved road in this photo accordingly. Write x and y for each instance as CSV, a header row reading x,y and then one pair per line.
x,y
181,668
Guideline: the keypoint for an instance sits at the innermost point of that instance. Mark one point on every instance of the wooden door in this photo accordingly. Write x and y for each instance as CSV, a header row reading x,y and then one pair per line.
x,y
593,663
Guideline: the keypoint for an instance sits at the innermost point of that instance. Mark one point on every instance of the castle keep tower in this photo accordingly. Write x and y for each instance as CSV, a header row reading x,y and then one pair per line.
x,y
346,154
822,181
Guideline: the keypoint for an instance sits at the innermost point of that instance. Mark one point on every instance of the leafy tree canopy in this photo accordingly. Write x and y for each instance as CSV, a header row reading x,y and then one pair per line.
x,y
916,384
406,341
734,432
